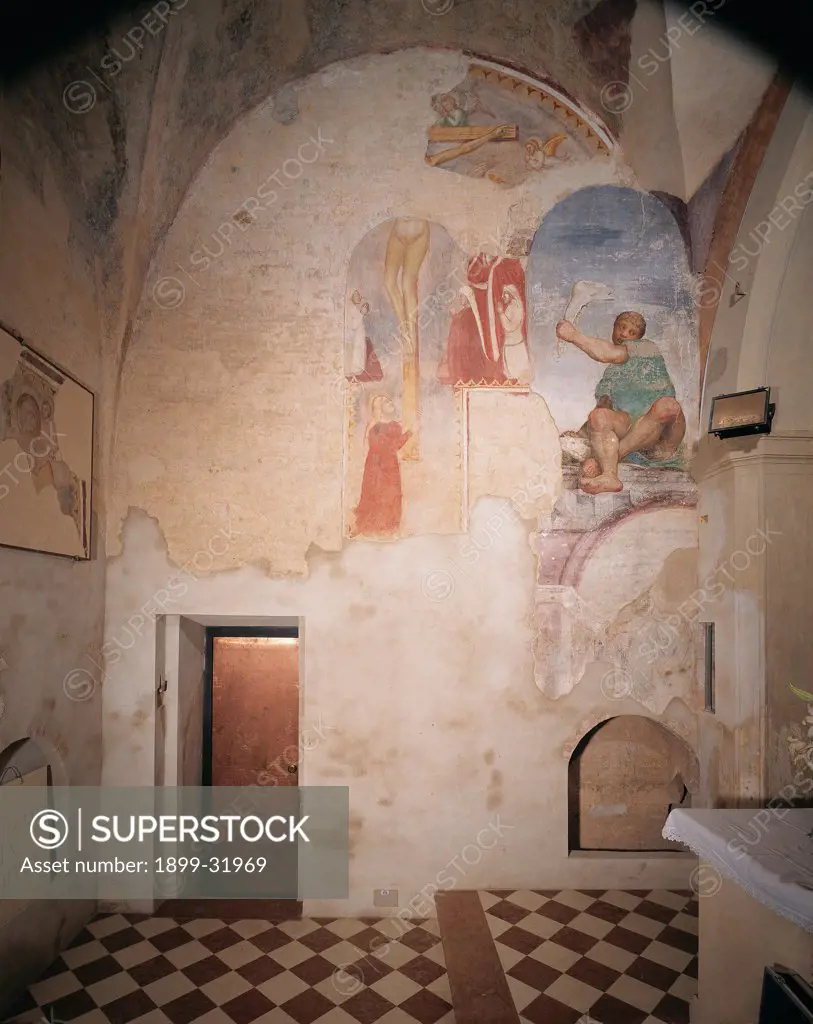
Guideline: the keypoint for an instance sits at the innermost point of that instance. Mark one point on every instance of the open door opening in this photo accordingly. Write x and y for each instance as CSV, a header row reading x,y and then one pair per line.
x,y
250,737
251,709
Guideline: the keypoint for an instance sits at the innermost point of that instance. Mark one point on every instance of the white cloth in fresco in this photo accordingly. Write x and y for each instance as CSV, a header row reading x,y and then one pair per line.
x,y
768,852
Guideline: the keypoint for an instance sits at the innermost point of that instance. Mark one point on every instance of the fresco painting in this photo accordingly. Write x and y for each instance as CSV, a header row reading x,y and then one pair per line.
x,y
488,339
380,507
636,416
615,357
573,343
46,447
427,325
503,128
614,332
609,351
404,449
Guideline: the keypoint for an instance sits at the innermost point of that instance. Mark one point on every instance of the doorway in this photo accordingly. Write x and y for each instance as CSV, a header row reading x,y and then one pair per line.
x,y
248,706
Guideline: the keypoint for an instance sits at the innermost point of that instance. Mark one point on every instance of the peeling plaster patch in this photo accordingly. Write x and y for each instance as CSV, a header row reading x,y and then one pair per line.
x,y
632,556
567,637
651,644
678,576
635,566
529,473
134,515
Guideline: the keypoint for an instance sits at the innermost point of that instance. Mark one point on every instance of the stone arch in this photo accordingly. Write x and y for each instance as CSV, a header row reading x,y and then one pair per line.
x,y
749,342
569,570
580,594
624,775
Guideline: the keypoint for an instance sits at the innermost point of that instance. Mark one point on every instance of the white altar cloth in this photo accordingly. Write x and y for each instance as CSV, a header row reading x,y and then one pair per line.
x,y
767,852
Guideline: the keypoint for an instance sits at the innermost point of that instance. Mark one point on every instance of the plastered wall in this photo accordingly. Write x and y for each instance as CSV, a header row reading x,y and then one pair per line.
x,y
230,488
51,609
754,493
426,653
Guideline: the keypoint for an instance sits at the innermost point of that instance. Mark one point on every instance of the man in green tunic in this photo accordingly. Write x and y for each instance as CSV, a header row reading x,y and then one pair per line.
x,y
637,417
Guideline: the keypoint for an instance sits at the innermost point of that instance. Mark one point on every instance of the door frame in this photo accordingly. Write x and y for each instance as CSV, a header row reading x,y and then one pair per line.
x,y
212,632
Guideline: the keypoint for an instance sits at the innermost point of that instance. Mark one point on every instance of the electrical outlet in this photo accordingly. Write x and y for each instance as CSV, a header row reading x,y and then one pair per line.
x,y
385,897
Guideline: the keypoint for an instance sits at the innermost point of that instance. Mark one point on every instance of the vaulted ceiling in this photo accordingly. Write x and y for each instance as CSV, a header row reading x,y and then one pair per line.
x,y
125,120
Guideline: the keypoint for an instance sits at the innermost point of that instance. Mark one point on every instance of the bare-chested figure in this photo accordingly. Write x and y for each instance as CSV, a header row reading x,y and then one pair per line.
x,y
637,415
407,247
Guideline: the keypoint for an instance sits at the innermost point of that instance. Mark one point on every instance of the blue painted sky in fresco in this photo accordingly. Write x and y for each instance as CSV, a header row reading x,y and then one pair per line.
x,y
627,240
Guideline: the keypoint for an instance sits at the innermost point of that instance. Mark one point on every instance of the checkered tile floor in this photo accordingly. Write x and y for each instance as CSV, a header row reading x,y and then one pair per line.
x,y
598,957
126,968
605,956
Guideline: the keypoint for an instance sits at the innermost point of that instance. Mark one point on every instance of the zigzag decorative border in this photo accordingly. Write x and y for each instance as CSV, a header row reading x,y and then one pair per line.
x,y
573,119
510,385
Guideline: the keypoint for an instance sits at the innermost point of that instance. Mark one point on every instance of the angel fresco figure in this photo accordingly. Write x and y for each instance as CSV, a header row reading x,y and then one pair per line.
x,y
541,155
455,107
637,417
378,513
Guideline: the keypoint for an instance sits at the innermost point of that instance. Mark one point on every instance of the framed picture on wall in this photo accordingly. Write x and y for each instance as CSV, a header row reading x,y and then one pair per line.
x,y
46,454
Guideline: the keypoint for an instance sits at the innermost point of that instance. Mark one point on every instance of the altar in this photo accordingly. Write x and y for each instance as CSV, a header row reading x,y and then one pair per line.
x,y
754,883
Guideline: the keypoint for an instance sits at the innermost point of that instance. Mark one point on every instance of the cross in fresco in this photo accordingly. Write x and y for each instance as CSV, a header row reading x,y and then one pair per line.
x,y
407,248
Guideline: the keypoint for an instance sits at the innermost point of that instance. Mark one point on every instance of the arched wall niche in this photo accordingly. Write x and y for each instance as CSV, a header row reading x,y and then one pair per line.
x,y
624,776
